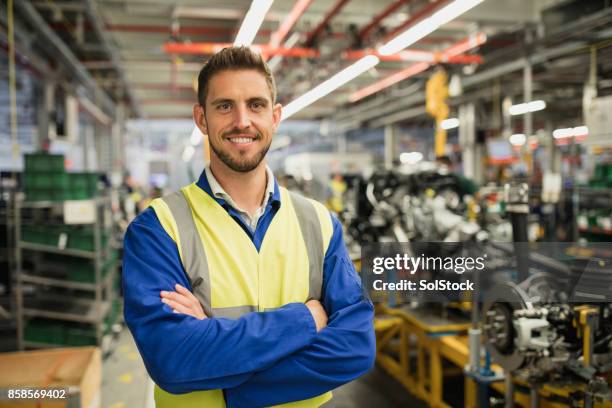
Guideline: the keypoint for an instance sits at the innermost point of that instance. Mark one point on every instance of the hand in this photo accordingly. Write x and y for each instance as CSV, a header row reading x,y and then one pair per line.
x,y
183,301
318,314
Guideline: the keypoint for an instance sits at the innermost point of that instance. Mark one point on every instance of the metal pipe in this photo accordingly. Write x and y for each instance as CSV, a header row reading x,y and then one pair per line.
x,y
402,100
365,31
95,18
328,17
419,15
62,52
296,12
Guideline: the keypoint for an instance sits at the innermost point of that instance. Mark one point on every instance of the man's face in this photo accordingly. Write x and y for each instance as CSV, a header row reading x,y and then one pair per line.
x,y
239,118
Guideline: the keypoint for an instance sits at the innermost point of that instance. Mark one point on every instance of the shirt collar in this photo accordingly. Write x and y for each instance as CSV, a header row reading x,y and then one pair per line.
x,y
211,186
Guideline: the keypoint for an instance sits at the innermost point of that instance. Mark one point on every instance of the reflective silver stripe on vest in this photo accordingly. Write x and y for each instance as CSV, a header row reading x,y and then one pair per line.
x,y
194,257
196,266
311,231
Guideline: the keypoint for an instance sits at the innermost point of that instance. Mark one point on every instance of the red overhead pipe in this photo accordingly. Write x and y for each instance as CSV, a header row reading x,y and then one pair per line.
x,y
414,69
277,37
211,48
330,14
416,55
365,31
419,15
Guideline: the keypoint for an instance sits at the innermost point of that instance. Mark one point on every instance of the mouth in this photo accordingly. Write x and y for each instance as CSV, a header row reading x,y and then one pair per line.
x,y
242,139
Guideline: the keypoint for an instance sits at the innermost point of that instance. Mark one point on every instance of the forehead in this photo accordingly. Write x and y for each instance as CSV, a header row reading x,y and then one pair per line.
x,y
237,84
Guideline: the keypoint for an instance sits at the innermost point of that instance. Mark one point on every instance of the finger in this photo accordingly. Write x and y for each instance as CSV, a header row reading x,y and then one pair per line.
x,y
184,291
176,297
178,306
184,310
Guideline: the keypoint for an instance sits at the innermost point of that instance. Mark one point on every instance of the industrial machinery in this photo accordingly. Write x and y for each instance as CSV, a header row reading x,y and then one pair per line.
x,y
539,332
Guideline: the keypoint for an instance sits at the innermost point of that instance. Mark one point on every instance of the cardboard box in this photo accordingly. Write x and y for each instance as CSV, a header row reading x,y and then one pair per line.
x,y
77,369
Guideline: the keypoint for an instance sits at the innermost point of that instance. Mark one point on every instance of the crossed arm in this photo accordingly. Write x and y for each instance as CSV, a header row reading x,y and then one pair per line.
x,y
260,359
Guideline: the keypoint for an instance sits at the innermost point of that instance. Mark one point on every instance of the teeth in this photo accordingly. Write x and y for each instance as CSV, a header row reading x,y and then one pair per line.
x,y
241,140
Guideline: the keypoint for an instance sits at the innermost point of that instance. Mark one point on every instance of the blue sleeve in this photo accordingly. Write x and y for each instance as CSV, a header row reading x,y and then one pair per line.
x,y
341,352
182,353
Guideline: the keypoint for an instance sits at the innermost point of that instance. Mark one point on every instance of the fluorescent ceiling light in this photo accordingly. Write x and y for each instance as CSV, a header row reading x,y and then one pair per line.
x,y
196,136
571,132
450,123
517,139
411,157
252,21
523,108
427,26
330,85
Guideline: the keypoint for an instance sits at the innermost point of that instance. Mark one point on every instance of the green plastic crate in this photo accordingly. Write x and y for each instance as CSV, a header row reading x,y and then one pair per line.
x,y
39,195
83,238
33,234
59,180
44,331
80,336
44,162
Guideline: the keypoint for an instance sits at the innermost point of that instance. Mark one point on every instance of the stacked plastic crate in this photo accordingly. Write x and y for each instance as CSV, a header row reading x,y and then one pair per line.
x,y
73,270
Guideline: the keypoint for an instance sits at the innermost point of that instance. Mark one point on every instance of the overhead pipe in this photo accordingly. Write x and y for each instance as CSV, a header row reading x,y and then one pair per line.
x,y
381,106
328,17
212,48
414,69
277,37
419,15
61,50
416,56
95,18
296,52
365,31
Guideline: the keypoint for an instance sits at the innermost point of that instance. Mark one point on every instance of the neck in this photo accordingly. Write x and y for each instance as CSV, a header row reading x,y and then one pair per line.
x,y
246,189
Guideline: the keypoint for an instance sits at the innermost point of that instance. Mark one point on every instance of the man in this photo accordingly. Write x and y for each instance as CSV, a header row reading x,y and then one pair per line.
x,y
237,292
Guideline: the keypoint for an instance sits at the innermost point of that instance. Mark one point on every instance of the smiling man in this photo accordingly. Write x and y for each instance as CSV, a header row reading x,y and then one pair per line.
x,y
237,292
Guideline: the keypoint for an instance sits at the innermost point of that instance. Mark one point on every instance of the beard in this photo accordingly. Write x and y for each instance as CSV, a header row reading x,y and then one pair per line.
x,y
240,164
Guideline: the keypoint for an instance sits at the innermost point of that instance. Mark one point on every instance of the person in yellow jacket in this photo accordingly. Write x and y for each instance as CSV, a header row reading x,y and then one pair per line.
x,y
238,292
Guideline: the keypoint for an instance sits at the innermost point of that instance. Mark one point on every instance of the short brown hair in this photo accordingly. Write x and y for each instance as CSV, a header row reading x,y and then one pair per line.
x,y
233,58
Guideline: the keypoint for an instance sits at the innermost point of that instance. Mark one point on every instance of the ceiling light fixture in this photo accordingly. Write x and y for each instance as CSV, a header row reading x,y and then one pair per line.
x,y
523,108
517,139
571,132
252,21
450,123
427,26
330,85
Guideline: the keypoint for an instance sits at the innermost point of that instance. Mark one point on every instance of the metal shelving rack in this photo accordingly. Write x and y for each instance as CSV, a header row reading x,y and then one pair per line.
x,y
92,311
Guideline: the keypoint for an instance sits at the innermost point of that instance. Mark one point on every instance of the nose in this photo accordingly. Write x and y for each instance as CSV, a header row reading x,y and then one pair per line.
x,y
241,118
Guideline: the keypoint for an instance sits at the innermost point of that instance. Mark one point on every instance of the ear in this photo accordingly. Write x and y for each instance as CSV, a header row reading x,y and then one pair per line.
x,y
277,111
199,118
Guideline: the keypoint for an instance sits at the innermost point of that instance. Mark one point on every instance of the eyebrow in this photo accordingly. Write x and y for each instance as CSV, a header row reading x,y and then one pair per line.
x,y
219,101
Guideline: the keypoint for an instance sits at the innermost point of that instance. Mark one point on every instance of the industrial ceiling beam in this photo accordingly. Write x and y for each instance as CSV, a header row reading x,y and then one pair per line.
x,y
57,48
295,52
453,51
365,31
419,15
406,98
96,19
326,19
296,12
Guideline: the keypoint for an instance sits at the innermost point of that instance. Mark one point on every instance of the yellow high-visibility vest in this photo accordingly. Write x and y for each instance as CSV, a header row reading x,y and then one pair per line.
x,y
233,278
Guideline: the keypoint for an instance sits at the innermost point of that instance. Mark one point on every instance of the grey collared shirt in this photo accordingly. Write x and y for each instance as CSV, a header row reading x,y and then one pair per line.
x,y
219,192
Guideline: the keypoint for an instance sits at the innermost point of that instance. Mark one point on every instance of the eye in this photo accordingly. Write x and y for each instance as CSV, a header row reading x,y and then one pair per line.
x,y
224,107
257,105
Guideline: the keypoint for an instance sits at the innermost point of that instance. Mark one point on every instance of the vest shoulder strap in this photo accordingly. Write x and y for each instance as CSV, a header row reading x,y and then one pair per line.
x,y
193,256
314,238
